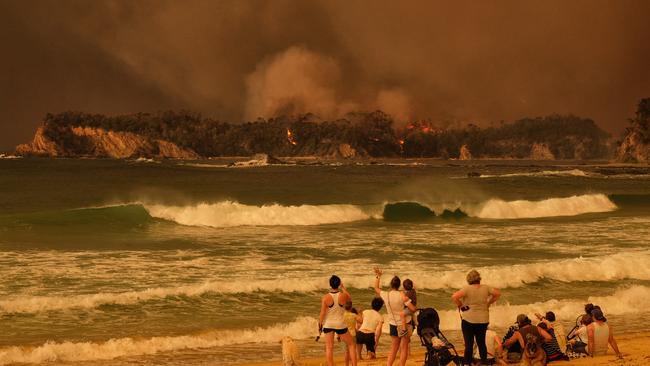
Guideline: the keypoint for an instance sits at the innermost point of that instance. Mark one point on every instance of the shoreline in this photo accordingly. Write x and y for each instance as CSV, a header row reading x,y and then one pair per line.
x,y
635,348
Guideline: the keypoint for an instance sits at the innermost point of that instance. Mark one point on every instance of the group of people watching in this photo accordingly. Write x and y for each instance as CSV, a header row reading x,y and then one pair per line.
x,y
537,344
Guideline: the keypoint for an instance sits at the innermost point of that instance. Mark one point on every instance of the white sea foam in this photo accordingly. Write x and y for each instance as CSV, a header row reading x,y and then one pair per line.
x,y
552,207
545,174
228,214
624,301
628,265
302,327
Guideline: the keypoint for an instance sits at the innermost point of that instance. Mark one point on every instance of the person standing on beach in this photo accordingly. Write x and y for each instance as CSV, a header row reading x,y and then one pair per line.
x,y
473,302
395,301
331,320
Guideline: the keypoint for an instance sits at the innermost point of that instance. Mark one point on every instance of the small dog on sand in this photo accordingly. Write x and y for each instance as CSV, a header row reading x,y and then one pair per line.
x,y
534,355
290,356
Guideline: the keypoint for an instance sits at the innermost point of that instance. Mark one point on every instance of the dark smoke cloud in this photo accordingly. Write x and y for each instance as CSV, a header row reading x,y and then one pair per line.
x,y
466,61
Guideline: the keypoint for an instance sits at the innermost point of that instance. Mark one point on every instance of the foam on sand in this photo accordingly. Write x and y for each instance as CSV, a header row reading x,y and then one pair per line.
x,y
552,207
302,327
228,214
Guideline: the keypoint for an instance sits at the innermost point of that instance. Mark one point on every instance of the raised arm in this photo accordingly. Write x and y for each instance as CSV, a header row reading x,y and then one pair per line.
x,y
377,281
346,295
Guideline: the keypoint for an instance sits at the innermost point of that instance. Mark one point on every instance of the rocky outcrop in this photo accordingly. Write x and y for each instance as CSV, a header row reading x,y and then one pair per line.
x,y
41,145
465,154
634,148
541,151
97,142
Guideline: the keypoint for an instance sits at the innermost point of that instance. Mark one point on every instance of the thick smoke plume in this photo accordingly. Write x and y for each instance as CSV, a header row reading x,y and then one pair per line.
x,y
465,61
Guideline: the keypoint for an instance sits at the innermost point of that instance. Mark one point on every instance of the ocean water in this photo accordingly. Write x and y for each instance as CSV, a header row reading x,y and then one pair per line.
x,y
177,263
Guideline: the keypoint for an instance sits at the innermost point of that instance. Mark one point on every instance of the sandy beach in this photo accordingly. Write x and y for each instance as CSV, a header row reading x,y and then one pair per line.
x,y
635,349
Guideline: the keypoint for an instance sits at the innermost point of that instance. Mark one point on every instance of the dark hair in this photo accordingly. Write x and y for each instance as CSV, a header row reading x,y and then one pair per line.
x,y
395,282
408,284
410,291
588,308
348,305
377,303
586,319
335,281
354,311
543,325
550,316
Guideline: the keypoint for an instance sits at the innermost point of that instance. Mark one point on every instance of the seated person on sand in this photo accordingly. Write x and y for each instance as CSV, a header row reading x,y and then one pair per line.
x,y
370,329
578,339
494,349
552,348
528,335
600,334
559,333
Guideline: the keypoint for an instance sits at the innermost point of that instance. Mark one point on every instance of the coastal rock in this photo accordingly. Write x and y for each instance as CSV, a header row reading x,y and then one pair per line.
x,y
634,148
97,142
541,151
41,145
465,154
346,151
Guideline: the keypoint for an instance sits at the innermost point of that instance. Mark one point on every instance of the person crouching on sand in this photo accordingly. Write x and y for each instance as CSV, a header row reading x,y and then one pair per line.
x,y
332,320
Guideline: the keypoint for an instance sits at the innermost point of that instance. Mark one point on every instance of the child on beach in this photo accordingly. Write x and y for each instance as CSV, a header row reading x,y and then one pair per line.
x,y
350,319
409,291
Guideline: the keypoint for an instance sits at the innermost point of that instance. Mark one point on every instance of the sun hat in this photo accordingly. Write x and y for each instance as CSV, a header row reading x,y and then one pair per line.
x,y
522,319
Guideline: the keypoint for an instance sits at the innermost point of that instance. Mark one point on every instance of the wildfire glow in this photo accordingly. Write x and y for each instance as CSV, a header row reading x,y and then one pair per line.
x,y
290,137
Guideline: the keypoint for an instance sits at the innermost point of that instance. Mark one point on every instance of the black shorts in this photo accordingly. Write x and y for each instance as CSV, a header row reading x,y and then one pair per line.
x,y
393,329
368,339
337,331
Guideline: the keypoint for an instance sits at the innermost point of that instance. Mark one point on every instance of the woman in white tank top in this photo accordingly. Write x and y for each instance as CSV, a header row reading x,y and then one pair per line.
x,y
331,320
396,301
600,334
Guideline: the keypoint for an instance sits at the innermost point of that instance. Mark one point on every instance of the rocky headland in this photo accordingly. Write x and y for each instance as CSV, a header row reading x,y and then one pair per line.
x,y
184,135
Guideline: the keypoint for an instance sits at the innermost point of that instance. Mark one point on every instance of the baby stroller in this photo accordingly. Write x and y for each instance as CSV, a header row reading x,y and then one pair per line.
x,y
439,350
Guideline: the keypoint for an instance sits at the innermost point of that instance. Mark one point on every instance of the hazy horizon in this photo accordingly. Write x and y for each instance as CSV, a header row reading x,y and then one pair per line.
x,y
236,61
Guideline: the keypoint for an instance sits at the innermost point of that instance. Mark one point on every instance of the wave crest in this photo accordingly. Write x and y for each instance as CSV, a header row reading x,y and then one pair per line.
x,y
552,207
302,327
228,214
629,265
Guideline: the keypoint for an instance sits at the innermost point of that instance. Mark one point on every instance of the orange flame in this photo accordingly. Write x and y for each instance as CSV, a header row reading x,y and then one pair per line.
x,y
290,137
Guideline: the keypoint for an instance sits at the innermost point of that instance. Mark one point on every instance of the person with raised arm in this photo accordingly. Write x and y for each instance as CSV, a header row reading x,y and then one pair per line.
x,y
395,301
331,320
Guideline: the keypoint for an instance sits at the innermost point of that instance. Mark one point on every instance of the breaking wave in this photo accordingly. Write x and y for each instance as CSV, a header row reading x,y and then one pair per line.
x,y
552,207
627,265
624,301
227,214
302,327
545,174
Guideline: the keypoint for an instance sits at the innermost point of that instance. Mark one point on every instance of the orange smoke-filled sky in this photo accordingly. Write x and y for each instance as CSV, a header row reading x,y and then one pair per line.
x,y
460,61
